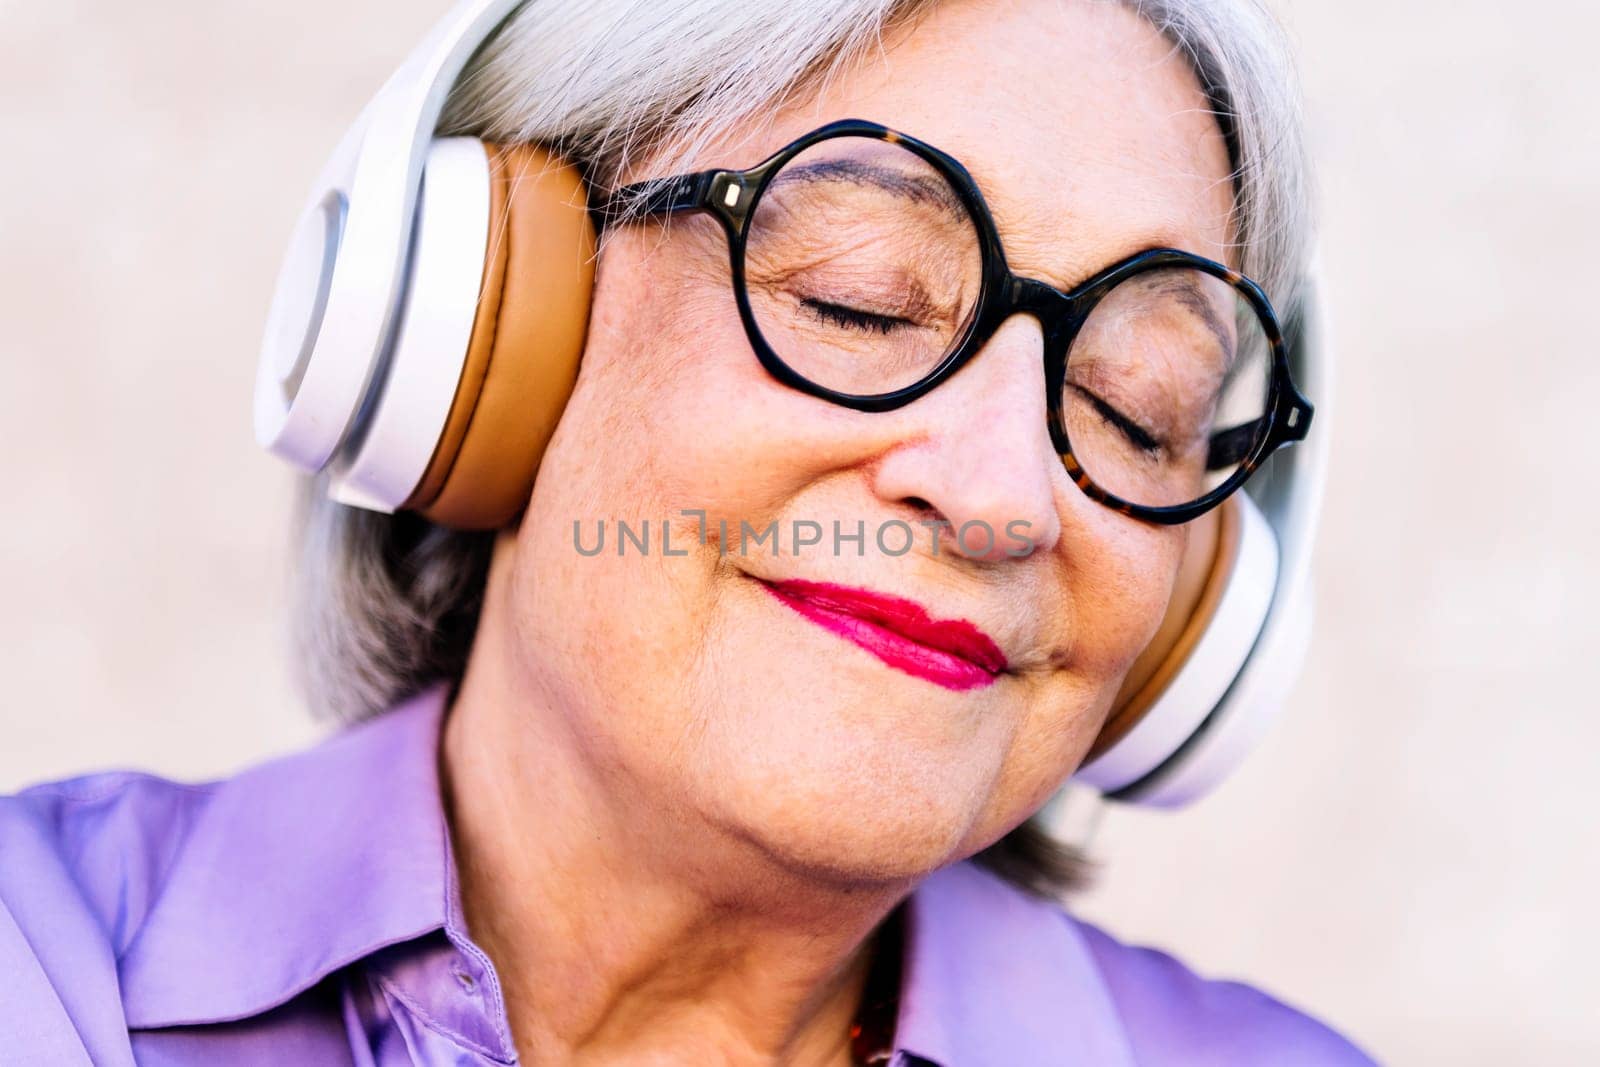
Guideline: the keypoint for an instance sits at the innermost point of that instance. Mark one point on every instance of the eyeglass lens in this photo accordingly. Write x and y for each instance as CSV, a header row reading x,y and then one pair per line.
x,y
1166,387
863,269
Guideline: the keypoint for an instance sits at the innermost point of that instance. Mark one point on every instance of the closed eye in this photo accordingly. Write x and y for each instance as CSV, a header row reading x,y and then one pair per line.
x,y
1137,435
853,318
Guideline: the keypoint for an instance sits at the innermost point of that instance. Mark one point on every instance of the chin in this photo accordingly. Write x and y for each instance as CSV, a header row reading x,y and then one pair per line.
x,y
846,816
860,856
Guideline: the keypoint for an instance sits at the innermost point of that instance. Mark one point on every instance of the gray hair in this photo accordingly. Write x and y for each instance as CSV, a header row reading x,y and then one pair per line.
x,y
386,605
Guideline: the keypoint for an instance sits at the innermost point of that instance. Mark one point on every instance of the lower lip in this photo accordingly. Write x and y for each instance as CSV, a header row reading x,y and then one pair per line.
x,y
903,653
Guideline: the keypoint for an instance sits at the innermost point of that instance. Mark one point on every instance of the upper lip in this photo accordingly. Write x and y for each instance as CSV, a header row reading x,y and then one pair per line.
x,y
958,637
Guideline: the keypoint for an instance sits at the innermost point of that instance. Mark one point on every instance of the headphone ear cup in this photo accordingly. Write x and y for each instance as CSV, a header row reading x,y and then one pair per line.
x,y
1178,694
526,341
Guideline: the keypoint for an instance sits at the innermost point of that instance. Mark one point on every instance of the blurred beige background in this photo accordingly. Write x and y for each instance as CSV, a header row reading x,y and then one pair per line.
x,y
1410,855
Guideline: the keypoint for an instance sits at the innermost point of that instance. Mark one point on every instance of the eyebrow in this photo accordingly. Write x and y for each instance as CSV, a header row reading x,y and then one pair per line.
x,y
921,188
1189,294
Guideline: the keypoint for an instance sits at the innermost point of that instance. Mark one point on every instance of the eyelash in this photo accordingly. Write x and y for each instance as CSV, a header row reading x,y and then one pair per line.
x,y
852,318
1137,435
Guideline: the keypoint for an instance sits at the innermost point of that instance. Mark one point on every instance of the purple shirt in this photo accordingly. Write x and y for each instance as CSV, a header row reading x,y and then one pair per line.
x,y
305,912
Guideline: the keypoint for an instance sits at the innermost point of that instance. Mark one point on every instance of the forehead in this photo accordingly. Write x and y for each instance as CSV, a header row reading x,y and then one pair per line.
x,y
1085,128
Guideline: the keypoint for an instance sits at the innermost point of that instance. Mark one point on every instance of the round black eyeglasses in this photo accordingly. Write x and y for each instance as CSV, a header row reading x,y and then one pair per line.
x,y
867,269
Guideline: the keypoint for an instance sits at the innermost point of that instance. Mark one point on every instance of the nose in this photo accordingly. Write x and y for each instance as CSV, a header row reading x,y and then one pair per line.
x,y
979,454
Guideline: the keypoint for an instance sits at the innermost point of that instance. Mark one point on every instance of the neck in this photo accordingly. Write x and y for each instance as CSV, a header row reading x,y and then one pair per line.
x,y
624,930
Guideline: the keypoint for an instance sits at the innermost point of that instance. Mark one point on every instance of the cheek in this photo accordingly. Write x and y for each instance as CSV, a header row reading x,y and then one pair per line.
x,y
667,362
1121,588
643,433
1118,576
610,462
691,418
667,415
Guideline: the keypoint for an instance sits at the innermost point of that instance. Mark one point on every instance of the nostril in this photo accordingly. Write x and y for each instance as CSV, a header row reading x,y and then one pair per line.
x,y
924,510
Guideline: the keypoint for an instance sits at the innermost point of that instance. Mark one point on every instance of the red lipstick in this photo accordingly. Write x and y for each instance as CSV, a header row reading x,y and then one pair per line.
x,y
948,652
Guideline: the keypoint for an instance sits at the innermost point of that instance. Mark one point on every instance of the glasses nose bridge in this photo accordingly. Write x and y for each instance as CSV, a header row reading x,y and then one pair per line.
x,y
1049,306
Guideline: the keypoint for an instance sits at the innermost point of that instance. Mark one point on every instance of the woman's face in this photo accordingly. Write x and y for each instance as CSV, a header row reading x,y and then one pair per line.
x,y
685,677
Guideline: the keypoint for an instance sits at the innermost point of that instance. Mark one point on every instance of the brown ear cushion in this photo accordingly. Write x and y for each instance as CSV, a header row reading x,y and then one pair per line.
x,y
1210,557
527,337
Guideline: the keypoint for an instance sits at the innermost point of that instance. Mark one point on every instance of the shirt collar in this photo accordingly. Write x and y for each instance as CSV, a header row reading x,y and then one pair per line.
x,y
295,868
995,977
302,865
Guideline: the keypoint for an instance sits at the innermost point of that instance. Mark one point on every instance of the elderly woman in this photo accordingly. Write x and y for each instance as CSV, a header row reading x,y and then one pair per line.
x,y
707,693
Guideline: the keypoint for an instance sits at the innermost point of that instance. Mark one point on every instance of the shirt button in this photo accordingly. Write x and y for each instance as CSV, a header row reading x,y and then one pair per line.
x,y
466,981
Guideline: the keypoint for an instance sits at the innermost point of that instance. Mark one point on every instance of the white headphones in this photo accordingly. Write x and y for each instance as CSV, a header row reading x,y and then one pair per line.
x,y
403,355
